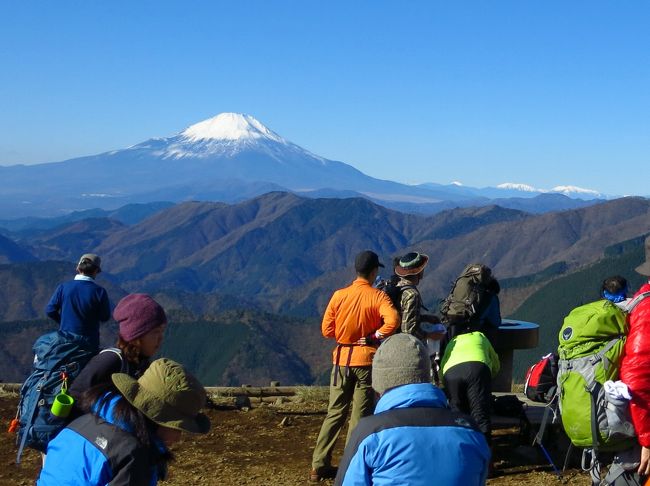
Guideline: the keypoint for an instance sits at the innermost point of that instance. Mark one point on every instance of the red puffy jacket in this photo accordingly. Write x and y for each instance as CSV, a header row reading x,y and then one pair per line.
x,y
635,367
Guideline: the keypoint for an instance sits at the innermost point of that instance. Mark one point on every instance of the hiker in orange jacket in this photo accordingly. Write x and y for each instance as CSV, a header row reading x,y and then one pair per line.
x,y
358,317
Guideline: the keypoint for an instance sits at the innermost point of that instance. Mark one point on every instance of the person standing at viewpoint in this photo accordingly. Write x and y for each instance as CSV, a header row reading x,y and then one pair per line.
x,y
357,317
81,304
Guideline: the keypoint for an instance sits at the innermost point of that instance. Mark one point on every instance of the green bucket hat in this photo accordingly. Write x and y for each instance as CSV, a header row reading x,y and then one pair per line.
x,y
168,395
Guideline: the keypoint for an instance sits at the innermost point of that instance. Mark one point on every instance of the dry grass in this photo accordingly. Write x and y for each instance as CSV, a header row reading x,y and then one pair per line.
x,y
312,394
8,393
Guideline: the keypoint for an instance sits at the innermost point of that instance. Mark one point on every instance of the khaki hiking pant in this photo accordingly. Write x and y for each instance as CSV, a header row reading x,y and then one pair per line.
x,y
352,388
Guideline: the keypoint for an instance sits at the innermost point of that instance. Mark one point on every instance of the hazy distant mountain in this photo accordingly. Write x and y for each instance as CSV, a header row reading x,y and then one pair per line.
x,y
223,269
229,158
129,214
10,252
509,189
205,161
540,203
67,242
287,253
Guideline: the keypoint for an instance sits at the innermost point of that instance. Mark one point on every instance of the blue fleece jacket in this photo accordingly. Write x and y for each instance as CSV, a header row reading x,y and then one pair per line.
x,y
79,306
414,439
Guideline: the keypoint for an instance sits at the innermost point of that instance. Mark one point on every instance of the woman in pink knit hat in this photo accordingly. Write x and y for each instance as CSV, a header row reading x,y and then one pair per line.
x,y
142,324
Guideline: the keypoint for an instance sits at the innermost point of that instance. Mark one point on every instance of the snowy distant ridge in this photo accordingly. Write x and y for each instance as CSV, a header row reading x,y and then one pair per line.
x,y
518,187
566,190
569,190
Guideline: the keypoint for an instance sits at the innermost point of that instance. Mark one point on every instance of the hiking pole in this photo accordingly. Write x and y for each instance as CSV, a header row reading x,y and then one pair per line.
x,y
540,436
568,454
548,458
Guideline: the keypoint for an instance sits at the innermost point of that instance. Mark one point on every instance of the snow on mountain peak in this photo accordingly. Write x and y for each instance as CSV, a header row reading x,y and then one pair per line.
x,y
517,187
230,126
566,190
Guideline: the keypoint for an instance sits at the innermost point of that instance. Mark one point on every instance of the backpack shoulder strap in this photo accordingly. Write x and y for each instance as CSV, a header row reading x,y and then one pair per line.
x,y
124,365
30,417
630,305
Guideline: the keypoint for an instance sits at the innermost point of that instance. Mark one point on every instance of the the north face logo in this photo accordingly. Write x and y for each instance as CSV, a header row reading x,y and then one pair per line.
x,y
102,442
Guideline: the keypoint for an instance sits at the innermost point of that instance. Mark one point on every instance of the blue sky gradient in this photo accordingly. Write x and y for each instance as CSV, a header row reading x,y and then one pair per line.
x,y
544,93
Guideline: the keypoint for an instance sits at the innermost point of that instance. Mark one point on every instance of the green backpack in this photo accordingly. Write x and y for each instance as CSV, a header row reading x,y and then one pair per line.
x,y
592,340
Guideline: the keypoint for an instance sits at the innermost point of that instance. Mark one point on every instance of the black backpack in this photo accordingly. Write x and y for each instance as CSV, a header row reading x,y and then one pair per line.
x,y
58,356
468,297
394,292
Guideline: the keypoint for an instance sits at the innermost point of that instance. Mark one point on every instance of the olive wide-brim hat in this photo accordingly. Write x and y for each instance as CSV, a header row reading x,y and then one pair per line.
x,y
644,268
168,395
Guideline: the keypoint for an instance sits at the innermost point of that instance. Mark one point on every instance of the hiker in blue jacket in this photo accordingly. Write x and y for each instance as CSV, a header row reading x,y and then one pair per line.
x,y
413,438
80,305
124,437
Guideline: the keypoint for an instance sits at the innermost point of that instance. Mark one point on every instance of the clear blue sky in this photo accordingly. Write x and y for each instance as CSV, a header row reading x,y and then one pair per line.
x,y
545,93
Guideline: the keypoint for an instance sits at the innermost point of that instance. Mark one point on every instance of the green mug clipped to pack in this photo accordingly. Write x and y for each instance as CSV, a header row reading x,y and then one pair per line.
x,y
62,404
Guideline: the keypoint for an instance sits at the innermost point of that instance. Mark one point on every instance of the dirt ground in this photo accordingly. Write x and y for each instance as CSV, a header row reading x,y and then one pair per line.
x,y
272,445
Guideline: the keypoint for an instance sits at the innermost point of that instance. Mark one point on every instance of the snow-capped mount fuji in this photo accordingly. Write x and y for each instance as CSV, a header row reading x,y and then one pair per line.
x,y
226,135
229,157
230,126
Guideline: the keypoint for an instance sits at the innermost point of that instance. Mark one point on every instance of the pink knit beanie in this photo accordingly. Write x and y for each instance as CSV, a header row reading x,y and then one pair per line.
x,y
138,314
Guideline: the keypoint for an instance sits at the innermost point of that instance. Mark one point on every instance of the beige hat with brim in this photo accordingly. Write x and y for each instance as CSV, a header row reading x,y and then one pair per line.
x,y
644,268
168,395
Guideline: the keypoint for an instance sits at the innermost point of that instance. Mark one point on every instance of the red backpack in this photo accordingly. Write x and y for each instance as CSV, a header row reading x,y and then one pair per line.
x,y
541,379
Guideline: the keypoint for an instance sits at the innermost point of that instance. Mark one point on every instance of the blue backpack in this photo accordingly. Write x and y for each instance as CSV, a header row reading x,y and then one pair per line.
x,y
58,356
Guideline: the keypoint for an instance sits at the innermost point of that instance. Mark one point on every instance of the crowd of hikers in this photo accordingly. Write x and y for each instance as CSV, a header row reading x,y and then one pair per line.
x,y
432,419
115,423
417,385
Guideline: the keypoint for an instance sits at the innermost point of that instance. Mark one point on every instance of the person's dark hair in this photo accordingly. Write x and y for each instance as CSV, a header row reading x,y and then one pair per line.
x,y
614,286
412,278
96,396
130,350
366,262
87,267
142,427
493,286
365,273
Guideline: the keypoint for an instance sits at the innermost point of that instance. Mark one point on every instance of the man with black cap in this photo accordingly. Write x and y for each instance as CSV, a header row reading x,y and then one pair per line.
x,y
357,317
635,367
413,438
80,305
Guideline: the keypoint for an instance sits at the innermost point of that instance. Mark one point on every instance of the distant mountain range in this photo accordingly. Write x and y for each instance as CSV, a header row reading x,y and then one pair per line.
x,y
243,236
231,158
287,252
227,273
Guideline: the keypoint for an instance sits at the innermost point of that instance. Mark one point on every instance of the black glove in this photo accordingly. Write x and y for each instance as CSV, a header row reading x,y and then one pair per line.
x,y
372,339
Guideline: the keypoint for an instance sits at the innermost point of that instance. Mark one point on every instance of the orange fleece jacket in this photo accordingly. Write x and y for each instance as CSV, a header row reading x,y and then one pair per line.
x,y
354,312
